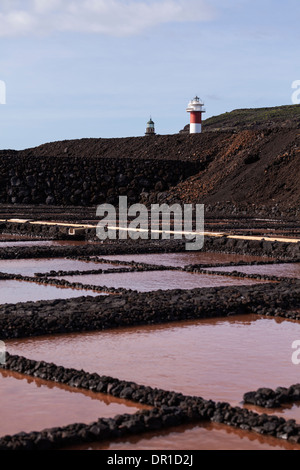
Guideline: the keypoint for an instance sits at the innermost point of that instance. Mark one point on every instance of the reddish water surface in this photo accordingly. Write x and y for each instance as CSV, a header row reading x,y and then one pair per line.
x,y
287,411
12,292
284,270
30,404
219,359
28,267
183,259
207,436
155,280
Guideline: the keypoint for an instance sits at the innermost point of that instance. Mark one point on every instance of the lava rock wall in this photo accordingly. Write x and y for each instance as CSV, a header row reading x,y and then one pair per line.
x,y
83,181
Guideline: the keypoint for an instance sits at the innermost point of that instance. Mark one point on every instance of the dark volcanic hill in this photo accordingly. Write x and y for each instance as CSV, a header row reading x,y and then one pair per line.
x,y
252,170
256,118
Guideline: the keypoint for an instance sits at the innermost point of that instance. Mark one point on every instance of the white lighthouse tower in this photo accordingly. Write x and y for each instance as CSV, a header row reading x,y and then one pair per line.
x,y
196,109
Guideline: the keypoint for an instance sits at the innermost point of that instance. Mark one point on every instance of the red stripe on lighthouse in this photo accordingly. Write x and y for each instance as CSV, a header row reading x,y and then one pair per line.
x,y
196,117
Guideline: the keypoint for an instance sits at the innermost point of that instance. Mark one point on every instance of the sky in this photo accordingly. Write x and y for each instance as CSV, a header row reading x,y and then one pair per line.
x,y
71,69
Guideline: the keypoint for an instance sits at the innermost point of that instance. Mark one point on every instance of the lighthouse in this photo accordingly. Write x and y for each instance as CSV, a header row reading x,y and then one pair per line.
x,y
195,108
150,130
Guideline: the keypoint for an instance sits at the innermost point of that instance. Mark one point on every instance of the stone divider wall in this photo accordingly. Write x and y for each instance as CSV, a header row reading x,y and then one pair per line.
x,y
241,275
128,247
263,248
135,308
31,179
64,283
268,398
132,267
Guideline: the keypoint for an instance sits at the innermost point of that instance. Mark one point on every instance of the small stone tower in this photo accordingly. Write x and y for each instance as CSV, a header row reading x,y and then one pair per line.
x,y
150,130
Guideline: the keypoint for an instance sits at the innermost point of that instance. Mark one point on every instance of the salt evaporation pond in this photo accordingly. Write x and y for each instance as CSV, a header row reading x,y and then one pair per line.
x,y
12,292
185,258
155,280
281,269
217,359
30,404
28,267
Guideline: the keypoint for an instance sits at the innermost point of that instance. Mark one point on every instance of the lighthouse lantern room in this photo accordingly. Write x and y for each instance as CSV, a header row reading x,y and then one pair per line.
x,y
196,109
150,130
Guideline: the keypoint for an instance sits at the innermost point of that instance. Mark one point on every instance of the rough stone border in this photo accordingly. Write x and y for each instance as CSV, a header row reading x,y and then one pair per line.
x,y
98,260
63,283
94,382
135,268
278,312
268,398
49,278
239,274
262,248
173,408
241,263
125,247
100,430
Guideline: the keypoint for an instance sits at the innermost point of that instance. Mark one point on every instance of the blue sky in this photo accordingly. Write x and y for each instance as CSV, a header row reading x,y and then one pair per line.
x,y
99,68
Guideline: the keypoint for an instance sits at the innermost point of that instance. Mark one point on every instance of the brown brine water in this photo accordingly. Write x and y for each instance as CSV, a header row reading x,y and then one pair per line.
x,y
32,404
29,267
155,280
281,270
207,436
185,258
217,359
12,292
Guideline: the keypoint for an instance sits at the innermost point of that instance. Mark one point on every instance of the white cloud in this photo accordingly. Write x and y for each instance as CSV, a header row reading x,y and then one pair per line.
x,y
111,17
45,6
